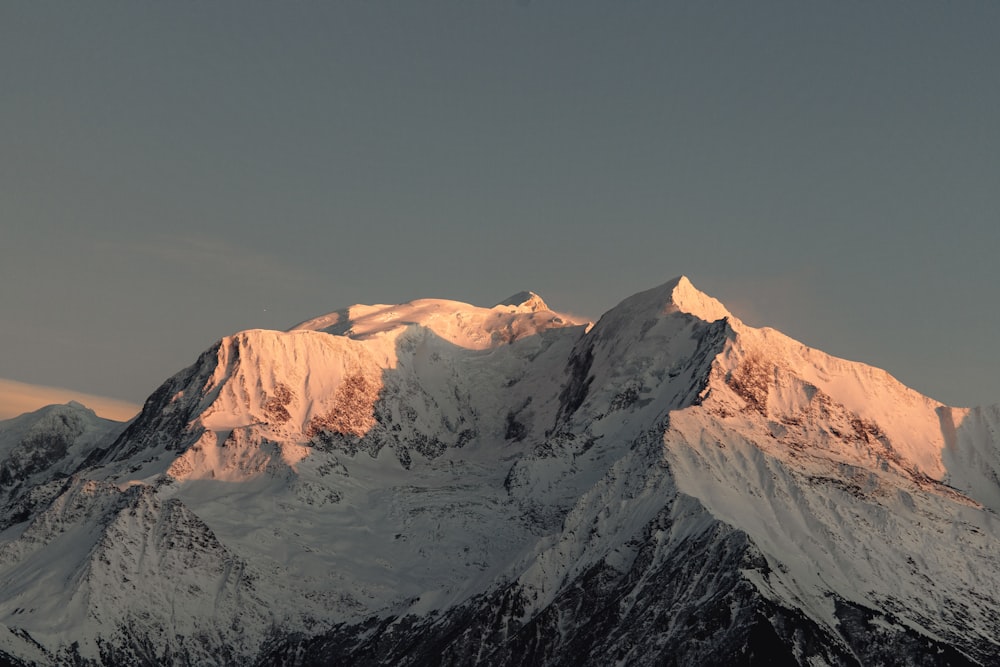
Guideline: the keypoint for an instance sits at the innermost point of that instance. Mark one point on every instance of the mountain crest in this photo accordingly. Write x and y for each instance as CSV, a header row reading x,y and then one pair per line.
x,y
436,482
525,301
689,299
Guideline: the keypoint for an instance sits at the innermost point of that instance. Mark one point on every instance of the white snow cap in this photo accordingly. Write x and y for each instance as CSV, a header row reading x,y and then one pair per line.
x,y
677,295
690,300
524,301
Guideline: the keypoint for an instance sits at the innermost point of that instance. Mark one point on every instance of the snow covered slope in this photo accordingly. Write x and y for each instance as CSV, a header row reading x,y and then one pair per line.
x,y
44,445
439,483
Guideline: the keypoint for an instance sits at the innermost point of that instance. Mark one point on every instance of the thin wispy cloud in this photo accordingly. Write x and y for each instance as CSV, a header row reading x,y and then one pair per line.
x,y
226,258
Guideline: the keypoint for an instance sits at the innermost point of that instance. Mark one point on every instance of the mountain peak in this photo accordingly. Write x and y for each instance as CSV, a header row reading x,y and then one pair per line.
x,y
691,300
677,295
525,300
290,494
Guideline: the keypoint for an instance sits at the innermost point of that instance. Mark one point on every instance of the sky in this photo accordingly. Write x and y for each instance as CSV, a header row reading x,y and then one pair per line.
x,y
174,172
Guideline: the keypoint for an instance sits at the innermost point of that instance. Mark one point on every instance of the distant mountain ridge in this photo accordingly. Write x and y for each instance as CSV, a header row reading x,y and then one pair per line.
x,y
16,398
438,483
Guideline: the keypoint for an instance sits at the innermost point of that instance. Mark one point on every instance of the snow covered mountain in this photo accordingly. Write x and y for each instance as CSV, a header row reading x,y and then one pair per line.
x,y
16,398
436,483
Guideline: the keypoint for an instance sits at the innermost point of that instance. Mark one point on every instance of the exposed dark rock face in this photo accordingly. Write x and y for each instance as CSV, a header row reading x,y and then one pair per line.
x,y
166,415
690,605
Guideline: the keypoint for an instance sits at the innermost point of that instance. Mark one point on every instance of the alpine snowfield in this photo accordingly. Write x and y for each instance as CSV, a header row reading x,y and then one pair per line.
x,y
439,483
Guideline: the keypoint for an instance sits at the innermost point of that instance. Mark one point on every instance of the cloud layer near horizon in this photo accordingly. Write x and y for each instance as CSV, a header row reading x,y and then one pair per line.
x,y
16,398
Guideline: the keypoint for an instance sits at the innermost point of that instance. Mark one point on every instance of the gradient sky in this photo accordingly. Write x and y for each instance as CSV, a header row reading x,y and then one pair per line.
x,y
172,172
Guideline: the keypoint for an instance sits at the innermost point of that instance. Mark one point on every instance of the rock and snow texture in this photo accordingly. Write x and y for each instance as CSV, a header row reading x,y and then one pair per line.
x,y
437,483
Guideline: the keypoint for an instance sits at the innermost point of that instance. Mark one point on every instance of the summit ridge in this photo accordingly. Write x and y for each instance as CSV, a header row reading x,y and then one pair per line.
x,y
525,299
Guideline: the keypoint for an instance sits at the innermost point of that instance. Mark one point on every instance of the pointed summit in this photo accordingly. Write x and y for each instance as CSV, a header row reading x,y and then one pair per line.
x,y
525,300
677,295
691,300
